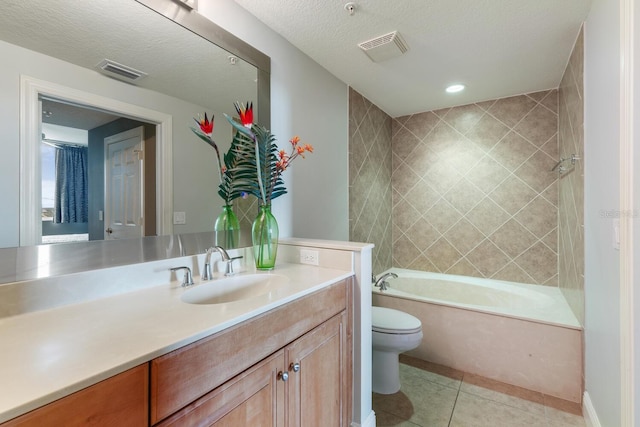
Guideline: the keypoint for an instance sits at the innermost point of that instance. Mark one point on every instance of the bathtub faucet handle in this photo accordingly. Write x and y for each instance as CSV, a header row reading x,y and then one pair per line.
x,y
382,282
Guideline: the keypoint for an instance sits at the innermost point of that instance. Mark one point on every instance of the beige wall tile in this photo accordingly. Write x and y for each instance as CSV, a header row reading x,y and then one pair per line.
x,y
502,149
441,174
571,185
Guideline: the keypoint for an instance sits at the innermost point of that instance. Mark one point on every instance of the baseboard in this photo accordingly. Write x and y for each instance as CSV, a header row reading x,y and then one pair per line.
x,y
589,412
369,422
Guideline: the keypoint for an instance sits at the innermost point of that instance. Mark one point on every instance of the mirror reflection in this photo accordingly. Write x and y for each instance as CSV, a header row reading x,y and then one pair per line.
x,y
103,70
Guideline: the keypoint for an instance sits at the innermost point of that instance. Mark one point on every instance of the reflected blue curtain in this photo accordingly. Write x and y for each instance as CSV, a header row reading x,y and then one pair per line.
x,y
71,197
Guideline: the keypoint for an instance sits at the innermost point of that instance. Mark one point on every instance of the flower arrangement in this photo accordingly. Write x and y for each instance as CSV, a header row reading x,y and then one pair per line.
x,y
259,163
228,188
253,165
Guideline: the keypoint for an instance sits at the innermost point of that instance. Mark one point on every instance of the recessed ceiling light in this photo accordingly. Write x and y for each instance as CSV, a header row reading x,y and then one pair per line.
x,y
454,88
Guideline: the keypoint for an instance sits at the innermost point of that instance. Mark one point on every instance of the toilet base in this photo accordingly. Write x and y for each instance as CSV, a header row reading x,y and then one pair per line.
x,y
385,372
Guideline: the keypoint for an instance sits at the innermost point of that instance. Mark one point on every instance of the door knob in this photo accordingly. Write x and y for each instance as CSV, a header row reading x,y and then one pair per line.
x,y
295,367
109,230
283,376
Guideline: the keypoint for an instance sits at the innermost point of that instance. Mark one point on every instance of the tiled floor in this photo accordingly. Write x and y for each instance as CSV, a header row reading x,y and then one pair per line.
x,y
435,396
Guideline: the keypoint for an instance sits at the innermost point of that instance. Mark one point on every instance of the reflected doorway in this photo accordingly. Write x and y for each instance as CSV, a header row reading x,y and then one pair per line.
x,y
68,127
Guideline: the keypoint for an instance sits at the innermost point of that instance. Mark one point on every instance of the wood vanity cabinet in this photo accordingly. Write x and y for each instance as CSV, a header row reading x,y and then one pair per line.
x,y
288,367
122,400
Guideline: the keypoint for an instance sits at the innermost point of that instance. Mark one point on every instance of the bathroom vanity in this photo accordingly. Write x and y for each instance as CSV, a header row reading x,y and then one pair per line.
x,y
145,357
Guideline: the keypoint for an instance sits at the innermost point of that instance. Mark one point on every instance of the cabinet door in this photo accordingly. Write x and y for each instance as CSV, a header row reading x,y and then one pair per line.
x,y
121,400
318,376
253,398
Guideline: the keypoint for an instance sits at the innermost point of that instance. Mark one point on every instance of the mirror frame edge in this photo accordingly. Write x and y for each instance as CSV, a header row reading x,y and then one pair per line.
x,y
209,30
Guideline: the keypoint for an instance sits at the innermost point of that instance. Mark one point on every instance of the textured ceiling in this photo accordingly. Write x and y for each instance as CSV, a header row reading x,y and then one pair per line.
x,y
496,48
82,32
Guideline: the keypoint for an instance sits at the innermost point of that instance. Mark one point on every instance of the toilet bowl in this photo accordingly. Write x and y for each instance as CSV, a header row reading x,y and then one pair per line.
x,y
393,332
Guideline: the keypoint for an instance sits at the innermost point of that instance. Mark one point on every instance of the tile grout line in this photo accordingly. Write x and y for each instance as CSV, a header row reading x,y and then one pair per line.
x,y
455,402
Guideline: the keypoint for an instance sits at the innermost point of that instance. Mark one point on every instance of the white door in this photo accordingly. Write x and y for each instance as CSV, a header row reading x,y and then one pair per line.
x,y
124,185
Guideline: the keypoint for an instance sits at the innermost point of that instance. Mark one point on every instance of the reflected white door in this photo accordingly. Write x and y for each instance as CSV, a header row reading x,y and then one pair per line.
x,y
124,185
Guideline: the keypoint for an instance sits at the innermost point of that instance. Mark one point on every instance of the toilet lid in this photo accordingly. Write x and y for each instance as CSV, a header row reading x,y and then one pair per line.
x,y
390,321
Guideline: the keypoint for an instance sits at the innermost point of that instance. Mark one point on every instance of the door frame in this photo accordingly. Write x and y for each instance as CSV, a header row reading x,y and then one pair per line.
x,y
31,89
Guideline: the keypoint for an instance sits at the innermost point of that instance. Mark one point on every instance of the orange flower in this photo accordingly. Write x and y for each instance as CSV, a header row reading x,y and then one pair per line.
x,y
206,126
281,164
308,147
282,154
246,114
294,141
223,169
300,150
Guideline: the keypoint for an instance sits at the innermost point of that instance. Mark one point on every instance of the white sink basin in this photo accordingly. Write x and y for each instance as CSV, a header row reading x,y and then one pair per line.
x,y
235,288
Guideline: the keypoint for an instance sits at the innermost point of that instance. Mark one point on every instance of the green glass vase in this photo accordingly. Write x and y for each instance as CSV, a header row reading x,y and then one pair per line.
x,y
264,234
227,228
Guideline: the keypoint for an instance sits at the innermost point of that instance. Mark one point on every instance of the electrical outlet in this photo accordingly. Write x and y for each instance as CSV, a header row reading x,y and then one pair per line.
x,y
309,257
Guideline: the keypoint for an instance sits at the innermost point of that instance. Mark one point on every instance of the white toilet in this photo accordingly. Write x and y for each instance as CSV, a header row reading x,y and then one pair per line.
x,y
393,332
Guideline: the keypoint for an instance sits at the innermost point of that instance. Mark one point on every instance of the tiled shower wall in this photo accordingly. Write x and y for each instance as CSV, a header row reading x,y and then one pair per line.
x,y
473,193
370,178
571,184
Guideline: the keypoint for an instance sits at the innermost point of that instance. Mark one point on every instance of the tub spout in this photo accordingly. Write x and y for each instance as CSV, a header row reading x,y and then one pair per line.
x,y
382,282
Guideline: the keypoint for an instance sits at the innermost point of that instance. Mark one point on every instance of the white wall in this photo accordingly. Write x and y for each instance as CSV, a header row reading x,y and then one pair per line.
x,y
602,188
194,168
308,101
636,206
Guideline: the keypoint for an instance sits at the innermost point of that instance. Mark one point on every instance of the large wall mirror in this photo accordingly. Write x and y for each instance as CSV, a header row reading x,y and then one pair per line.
x,y
165,64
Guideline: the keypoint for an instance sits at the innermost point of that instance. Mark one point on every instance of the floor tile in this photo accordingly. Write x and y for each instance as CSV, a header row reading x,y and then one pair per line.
x,y
475,411
497,391
385,419
419,401
432,395
433,372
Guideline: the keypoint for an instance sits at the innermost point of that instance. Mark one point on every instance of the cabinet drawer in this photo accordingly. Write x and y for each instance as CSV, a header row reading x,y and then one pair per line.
x,y
180,377
121,401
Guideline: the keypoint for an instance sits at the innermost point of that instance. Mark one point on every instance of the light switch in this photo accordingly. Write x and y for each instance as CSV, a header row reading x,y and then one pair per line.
x,y
179,218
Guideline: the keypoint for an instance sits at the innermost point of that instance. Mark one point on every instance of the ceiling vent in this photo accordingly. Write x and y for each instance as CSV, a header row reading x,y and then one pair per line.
x,y
384,47
120,72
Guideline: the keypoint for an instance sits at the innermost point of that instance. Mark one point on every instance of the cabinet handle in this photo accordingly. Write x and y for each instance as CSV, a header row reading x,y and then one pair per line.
x,y
295,367
283,376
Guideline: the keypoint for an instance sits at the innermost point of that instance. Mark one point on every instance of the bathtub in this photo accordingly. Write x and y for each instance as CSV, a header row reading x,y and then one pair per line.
x,y
524,335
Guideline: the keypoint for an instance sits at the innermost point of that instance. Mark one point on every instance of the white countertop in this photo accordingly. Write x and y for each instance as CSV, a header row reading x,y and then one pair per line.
x,y
51,353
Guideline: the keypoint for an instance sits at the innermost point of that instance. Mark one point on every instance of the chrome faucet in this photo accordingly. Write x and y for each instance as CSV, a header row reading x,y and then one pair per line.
x,y
206,274
382,283
187,280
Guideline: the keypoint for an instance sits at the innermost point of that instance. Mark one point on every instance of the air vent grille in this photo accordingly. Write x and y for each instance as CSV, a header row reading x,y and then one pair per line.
x,y
384,47
119,71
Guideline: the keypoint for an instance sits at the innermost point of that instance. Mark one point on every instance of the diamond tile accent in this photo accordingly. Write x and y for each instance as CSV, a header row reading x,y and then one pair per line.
x,y
481,187
443,255
487,258
539,218
464,236
464,195
487,216
538,126
487,132
421,124
487,174
370,194
512,150
465,190
511,110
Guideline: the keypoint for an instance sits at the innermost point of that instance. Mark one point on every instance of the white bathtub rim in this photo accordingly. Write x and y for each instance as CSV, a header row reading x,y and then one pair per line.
x,y
565,317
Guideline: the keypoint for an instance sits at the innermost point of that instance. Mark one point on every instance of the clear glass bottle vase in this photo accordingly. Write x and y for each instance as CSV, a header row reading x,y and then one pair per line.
x,y
264,234
227,228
